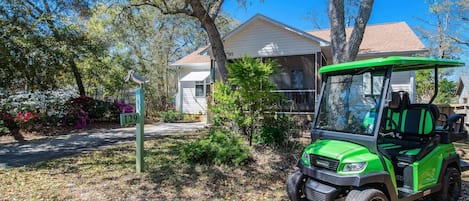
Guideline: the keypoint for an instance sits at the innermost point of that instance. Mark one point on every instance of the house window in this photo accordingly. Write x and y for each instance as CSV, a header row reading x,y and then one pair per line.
x,y
207,90
199,89
297,78
464,100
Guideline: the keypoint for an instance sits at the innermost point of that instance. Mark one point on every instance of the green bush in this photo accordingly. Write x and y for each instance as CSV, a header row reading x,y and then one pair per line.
x,y
171,116
219,147
275,130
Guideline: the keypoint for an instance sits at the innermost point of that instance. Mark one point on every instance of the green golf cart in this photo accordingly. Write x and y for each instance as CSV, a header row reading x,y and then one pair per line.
x,y
370,142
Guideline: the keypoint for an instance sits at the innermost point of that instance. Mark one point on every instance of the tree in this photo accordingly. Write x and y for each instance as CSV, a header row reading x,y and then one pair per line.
x,y
145,40
447,38
246,99
343,50
425,80
206,12
51,40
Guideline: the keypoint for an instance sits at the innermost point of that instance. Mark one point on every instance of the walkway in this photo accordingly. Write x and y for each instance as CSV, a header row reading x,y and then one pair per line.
x,y
19,154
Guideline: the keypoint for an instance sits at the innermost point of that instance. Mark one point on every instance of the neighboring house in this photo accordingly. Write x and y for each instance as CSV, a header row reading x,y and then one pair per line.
x,y
463,90
300,55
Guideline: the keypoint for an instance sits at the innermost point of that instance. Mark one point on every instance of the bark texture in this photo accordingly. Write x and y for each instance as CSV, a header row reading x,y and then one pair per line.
x,y
344,50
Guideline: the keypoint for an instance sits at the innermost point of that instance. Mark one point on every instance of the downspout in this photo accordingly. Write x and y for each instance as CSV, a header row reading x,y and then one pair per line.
x,y
180,90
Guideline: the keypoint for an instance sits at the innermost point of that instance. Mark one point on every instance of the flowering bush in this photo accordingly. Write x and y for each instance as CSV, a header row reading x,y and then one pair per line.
x,y
51,103
27,119
51,108
124,107
7,123
95,109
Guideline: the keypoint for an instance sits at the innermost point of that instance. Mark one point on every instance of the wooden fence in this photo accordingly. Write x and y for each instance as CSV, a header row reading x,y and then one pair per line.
x,y
450,109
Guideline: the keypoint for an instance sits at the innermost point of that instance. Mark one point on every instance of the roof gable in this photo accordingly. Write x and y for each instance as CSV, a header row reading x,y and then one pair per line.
x,y
263,37
278,24
198,57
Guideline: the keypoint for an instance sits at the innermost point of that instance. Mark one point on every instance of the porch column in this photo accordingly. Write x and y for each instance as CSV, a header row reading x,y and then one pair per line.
x,y
180,92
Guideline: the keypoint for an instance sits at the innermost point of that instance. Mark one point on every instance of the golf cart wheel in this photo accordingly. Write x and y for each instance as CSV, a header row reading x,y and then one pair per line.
x,y
296,186
451,186
366,195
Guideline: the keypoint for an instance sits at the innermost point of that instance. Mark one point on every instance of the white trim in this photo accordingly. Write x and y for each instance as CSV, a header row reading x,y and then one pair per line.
x,y
292,90
311,113
195,76
392,53
205,64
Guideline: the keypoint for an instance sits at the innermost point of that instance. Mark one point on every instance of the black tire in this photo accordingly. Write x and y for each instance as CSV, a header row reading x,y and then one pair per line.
x,y
296,186
366,195
353,195
451,190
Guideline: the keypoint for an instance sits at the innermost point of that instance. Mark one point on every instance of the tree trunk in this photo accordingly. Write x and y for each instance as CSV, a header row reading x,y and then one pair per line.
x,y
208,24
77,75
338,35
361,20
344,51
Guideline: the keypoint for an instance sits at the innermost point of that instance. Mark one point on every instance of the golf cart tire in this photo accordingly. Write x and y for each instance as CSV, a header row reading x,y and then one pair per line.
x,y
366,195
296,186
451,190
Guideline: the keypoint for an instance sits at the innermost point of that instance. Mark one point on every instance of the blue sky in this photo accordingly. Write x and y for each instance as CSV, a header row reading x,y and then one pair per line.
x,y
295,12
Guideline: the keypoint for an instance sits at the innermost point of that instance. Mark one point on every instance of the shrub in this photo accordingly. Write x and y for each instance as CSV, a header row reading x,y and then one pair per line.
x,y
93,109
219,147
275,130
171,116
7,123
52,105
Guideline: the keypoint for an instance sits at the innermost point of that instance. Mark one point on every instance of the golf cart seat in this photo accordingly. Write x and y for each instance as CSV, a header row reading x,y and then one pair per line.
x,y
418,125
414,125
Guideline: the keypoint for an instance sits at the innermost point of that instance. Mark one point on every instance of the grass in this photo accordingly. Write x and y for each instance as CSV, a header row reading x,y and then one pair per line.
x,y
109,174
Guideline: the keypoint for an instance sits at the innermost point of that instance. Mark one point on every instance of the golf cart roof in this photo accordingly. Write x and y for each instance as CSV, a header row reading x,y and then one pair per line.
x,y
399,63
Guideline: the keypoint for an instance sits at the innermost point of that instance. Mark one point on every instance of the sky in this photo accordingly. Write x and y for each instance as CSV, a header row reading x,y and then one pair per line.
x,y
296,12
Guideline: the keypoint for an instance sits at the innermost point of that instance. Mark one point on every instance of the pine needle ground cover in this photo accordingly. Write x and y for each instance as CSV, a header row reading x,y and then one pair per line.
x,y
109,174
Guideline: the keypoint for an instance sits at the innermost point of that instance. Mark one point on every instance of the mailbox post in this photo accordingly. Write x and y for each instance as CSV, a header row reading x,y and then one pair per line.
x,y
141,111
137,118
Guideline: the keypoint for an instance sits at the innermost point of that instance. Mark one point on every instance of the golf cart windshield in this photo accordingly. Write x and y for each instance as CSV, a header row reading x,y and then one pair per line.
x,y
350,102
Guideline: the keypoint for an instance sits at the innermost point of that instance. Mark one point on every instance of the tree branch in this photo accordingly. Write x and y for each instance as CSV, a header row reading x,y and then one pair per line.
x,y
165,10
459,41
359,28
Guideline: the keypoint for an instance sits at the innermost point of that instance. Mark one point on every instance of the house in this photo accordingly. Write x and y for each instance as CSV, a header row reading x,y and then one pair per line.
x,y
300,55
463,90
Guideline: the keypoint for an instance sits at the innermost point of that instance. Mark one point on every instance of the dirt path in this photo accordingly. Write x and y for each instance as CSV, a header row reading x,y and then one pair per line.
x,y
19,154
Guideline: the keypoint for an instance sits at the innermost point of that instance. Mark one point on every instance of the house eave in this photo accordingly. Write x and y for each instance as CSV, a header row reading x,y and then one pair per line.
x,y
205,64
392,53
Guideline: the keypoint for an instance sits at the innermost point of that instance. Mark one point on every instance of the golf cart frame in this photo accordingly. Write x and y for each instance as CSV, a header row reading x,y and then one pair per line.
x,y
378,146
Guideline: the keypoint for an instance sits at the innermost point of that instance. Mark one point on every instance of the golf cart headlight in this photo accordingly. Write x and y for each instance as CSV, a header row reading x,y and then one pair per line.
x,y
306,157
354,167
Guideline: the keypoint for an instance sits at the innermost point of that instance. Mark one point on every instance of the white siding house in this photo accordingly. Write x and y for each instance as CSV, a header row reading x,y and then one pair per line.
x,y
300,55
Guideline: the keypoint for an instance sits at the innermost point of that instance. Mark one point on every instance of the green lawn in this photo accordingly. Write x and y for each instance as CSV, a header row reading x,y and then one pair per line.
x,y
109,174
